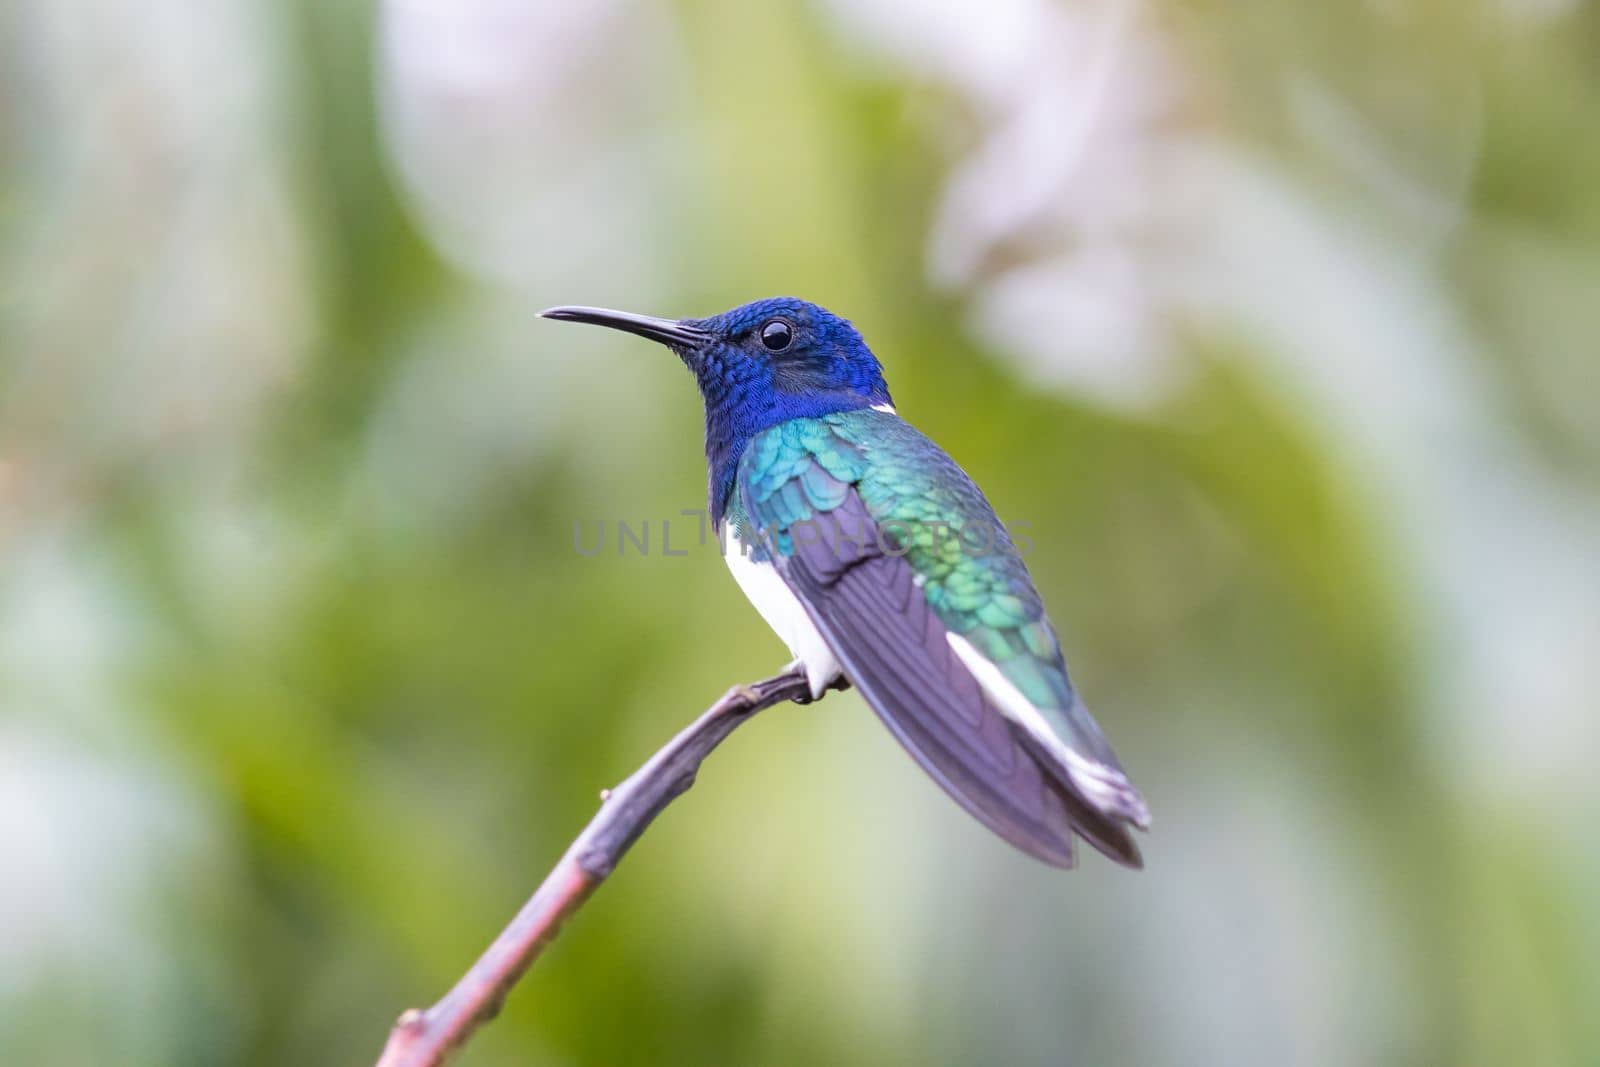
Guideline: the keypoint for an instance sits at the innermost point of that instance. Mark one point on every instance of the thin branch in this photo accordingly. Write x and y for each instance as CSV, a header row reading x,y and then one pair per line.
x,y
427,1038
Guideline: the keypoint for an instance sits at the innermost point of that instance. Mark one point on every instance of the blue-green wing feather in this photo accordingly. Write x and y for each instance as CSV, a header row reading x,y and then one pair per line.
x,y
890,548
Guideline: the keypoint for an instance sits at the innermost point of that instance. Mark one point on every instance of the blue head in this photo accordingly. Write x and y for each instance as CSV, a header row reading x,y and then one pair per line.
x,y
758,365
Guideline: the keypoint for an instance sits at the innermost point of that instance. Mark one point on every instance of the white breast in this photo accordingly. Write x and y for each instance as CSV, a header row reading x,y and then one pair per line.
x,y
782,611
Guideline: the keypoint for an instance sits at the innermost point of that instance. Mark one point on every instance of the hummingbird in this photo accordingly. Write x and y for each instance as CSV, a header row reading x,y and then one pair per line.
x,y
875,558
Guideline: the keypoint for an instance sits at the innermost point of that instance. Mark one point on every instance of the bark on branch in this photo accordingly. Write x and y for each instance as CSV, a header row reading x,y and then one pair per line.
x,y
427,1038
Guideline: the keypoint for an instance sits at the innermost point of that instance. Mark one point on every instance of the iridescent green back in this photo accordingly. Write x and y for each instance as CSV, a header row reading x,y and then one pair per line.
x,y
928,510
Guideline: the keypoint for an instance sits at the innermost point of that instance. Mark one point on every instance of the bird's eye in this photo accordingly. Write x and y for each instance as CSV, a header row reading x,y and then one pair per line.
x,y
776,335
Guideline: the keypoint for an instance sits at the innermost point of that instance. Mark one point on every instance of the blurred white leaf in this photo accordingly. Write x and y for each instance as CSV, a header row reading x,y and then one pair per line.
x,y
529,160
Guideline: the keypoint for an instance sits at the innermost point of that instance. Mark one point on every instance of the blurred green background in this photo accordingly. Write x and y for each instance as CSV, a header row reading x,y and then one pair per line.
x,y
1280,325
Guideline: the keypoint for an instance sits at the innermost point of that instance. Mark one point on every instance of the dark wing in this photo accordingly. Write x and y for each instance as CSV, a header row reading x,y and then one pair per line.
x,y
869,606
868,523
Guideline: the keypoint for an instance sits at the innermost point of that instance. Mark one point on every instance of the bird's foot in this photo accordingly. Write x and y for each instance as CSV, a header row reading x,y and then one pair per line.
x,y
839,681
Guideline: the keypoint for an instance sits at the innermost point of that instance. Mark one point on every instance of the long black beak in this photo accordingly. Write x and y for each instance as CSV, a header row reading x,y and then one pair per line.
x,y
667,331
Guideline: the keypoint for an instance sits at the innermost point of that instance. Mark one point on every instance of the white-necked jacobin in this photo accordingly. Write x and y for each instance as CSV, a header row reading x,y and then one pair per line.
x,y
873,555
